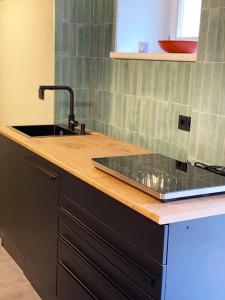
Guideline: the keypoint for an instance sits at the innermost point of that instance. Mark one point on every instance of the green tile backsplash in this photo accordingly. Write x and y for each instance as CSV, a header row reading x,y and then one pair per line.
x,y
73,57
140,101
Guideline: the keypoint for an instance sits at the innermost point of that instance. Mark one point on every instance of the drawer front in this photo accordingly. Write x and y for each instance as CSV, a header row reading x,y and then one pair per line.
x,y
123,246
88,273
141,233
69,287
136,283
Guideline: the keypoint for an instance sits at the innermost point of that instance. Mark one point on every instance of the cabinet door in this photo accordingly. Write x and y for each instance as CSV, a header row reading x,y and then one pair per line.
x,y
28,214
11,196
39,225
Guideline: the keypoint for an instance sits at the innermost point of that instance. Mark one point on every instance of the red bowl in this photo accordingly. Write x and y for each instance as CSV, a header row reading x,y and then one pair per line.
x,y
177,46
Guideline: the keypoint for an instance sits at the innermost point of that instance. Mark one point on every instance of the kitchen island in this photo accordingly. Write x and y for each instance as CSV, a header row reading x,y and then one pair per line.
x,y
135,246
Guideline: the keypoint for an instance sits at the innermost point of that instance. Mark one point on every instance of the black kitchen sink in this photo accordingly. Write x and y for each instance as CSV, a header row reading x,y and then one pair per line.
x,y
45,130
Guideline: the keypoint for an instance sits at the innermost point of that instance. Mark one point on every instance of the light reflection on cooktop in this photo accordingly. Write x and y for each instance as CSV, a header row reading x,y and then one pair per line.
x,y
161,176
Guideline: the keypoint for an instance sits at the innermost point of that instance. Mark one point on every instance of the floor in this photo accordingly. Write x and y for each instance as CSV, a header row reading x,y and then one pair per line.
x,y
13,283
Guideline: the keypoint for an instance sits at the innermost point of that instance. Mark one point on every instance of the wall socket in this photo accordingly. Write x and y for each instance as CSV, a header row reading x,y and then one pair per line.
x,y
184,123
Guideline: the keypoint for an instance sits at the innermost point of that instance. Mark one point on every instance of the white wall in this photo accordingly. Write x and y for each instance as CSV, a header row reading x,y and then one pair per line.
x,y
144,21
26,60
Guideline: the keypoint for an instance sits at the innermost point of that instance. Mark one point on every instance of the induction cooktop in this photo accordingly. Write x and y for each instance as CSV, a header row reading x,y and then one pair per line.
x,y
162,177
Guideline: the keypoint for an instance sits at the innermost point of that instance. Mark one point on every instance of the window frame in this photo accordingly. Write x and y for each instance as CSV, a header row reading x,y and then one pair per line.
x,y
180,14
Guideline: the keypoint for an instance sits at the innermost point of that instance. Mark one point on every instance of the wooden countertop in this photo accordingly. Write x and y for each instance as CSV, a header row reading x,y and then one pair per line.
x,y
74,153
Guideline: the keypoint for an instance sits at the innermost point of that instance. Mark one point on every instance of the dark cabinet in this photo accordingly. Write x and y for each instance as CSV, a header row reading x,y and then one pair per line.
x,y
124,246
105,250
128,230
133,283
89,273
28,214
142,259
74,241
39,224
12,194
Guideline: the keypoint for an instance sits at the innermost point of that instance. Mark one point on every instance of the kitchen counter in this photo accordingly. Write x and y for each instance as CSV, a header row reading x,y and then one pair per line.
x,y
74,153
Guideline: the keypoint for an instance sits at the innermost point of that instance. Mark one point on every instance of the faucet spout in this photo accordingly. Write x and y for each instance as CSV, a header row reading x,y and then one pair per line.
x,y
71,118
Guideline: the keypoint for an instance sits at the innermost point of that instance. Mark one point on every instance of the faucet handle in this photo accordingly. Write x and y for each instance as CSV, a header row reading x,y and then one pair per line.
x,y
72,122
75,123
82,128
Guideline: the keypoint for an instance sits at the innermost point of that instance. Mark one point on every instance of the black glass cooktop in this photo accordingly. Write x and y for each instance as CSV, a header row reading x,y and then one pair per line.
x,y
164,178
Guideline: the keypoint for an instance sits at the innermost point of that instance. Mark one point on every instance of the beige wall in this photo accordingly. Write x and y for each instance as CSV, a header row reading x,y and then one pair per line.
x,y
26,60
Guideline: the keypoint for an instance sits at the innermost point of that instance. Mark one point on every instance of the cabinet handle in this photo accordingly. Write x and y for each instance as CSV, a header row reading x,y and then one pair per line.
x,y
41,169
65,238
71,273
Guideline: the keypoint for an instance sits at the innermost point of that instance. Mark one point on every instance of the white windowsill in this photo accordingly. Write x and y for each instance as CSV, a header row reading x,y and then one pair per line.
x,y
192,57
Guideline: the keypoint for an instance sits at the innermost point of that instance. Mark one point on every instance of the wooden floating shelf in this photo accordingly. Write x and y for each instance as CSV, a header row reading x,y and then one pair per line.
x,y
186,57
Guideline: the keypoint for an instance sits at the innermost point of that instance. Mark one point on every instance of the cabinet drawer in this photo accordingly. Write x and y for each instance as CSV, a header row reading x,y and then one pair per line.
x,y
123,246
109,218
71,288
136,283
96,281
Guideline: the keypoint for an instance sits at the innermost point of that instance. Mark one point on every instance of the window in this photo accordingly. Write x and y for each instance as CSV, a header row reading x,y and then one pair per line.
x,y
188,19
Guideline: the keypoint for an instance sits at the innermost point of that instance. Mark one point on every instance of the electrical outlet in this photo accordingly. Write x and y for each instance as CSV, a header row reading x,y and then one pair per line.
x,y
184,123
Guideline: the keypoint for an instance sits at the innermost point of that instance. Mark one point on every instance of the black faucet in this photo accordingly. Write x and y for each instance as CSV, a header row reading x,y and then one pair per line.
x,y
72,123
